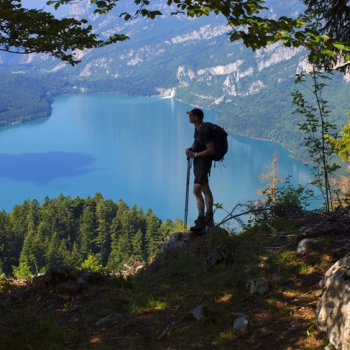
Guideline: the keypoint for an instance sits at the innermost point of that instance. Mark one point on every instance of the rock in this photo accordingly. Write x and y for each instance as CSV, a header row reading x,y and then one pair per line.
x,y
75,285
177,240
304,244
110,318
91,277
132,270
333,309
59,274
240,324
222,254
201,312
261,286
346,246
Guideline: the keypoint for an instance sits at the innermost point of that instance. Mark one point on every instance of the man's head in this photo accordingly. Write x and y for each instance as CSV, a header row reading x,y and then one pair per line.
x,y
197,112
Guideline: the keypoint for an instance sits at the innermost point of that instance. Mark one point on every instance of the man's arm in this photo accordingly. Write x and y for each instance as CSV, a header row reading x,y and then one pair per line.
x,y
189,150
206,153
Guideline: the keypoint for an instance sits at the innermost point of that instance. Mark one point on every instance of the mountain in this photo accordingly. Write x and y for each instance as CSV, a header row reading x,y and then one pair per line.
x,y
248,291
194,59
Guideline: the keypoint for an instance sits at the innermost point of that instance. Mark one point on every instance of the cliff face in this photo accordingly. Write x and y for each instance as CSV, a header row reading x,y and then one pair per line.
x,y
197,50
194,59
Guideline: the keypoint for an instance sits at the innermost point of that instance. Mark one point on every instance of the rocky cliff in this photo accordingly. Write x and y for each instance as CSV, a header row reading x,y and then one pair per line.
x,y
195,59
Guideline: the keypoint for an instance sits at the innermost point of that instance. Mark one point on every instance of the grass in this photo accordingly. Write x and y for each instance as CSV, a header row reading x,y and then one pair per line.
x,y
155,305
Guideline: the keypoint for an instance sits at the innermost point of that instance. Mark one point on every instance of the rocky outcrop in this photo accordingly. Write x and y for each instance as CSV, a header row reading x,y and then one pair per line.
x,y
333,310
274,54
223,254
204,33
177,240
221,70
80,9
87,71
222,73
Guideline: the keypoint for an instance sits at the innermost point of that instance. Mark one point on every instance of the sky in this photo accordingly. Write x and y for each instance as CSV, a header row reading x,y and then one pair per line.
x,y
41,4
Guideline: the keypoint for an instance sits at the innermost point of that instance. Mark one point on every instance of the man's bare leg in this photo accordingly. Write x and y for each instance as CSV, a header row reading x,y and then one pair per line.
x,y
197,191
208,196
200,222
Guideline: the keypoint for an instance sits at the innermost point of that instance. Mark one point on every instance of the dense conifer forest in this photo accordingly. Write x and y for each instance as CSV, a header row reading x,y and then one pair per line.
x,y
78,232
25,97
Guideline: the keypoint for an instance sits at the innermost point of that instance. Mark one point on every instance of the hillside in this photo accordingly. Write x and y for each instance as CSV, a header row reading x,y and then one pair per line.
x,y
180,302
199,63
25,97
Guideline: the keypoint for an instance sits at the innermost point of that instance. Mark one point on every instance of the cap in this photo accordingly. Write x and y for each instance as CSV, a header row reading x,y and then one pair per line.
x,y
198,112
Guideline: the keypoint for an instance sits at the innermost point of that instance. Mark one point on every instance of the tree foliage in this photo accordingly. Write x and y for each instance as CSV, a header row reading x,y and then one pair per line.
x,y
330,18
24,31
93,233
317,129
31,30
323,29
341,144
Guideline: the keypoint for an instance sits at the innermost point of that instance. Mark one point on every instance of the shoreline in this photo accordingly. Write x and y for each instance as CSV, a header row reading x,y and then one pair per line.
x,y
163,93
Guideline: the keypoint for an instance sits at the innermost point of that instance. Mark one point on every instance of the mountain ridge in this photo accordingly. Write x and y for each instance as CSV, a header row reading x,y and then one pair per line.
x,y
199,63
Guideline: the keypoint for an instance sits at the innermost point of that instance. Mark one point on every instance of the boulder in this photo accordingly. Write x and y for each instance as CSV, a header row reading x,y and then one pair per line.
x,y
202,312
222,255
177,240
333,309
242,321
59,274
240,324
260,286
306,244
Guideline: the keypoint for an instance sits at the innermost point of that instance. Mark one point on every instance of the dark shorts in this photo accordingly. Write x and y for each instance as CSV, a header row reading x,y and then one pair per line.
x,y
201,170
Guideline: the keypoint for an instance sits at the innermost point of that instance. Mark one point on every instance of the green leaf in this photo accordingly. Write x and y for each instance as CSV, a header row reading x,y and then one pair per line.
x,y
327,53
235,36
313,57
339,46
238,11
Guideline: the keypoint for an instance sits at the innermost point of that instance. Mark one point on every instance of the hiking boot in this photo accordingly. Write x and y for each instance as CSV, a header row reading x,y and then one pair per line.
x,y
209,219
199,224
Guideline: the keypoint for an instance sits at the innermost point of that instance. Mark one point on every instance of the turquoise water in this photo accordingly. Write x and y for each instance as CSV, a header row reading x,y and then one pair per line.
x,y
129,148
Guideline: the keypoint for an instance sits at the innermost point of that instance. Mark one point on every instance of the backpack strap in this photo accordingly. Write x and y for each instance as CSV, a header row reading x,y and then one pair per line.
x,y
207,124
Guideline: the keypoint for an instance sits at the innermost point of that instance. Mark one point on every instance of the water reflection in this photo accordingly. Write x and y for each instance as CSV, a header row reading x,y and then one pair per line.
x,y
42,168
129,148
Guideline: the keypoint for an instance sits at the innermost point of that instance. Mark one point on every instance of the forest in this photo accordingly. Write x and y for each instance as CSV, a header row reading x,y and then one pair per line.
x,y
91,232
22,99
25,97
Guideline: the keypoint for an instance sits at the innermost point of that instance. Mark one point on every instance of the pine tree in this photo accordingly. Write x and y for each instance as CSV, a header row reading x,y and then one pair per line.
x,y
87,228
153,234
54,255
27,264
138,246
7,244
115,232
105,211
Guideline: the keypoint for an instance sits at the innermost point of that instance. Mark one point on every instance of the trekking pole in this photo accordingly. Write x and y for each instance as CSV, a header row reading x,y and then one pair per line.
x,y
189,161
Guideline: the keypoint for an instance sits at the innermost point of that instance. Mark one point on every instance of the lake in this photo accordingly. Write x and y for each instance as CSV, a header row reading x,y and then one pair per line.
x,y
129,148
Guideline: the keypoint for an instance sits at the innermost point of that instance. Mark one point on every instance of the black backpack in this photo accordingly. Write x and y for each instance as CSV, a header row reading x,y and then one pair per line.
x,y
219,140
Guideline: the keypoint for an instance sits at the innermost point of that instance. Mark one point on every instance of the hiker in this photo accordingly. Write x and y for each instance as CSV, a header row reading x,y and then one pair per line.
x,y
201,151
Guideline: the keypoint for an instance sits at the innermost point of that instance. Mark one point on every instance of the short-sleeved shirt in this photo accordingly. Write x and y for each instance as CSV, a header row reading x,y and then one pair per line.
x,y
202,137
202,165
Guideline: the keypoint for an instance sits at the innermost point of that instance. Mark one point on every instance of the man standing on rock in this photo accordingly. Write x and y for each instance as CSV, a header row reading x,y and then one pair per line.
x,y
201,151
